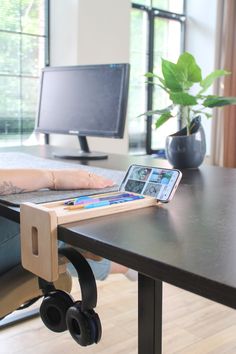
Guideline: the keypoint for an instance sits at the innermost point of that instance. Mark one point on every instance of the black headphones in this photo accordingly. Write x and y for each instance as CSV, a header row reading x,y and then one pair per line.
x,y
60,312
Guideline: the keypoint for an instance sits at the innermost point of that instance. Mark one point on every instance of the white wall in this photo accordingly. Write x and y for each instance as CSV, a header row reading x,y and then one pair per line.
x,y
200,41
90,32
64,32
97,31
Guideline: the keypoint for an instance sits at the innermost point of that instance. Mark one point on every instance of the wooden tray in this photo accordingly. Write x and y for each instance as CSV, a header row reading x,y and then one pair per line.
x,y
38,223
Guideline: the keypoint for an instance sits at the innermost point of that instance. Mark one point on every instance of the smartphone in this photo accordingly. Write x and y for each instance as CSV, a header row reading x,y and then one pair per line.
x,y
160,183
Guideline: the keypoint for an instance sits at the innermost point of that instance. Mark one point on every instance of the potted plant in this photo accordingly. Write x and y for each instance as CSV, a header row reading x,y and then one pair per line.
x,y
186,148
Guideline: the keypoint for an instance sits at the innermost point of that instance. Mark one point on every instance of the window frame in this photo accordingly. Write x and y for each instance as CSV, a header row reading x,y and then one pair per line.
x,y
46,37
152,13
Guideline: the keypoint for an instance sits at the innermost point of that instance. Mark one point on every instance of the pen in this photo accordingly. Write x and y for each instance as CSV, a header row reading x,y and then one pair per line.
x,y
116,196
103,203
88,199
97,205
95,200
88,206
74,200
110,202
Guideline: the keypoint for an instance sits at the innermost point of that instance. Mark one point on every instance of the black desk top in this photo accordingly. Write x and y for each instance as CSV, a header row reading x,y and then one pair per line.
x,y
190,242
115,161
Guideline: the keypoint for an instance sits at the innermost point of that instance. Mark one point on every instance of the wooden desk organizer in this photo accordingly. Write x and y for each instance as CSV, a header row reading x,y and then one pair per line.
x,y
38,222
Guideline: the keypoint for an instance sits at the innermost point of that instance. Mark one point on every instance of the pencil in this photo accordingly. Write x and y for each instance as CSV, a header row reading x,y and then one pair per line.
x,y
72,207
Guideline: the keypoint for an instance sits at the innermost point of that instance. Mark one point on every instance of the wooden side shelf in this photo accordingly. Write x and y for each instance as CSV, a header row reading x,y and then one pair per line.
x,y
38,222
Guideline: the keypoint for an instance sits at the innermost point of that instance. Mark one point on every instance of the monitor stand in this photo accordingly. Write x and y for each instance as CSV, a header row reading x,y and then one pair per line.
x,y
83,154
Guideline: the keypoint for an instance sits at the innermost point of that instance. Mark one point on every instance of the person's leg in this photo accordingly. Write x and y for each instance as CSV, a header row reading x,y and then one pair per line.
x,y
103,268
9,244
128,272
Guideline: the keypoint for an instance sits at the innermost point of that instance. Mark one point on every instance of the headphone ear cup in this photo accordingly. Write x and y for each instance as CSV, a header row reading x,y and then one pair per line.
x,y
53,310
84,326
96,324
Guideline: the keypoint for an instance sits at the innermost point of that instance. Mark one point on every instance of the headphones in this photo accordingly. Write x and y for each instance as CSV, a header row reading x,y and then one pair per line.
x,y
60,312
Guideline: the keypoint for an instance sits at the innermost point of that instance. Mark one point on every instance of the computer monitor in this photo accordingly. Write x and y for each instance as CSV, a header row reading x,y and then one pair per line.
x,y
84,100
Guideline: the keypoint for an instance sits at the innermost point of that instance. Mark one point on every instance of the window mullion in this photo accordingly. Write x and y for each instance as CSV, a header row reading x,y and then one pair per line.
x,y
149,85
155,13
21,72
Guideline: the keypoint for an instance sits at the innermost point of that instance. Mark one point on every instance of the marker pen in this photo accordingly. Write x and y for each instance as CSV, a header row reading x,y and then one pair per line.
x,y
111,202
103,203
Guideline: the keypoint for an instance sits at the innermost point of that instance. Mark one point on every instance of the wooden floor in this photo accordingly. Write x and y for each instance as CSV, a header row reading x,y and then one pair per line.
x,y
192,325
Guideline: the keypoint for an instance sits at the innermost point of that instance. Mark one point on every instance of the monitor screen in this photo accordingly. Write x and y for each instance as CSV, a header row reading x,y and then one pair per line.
x,y
85,100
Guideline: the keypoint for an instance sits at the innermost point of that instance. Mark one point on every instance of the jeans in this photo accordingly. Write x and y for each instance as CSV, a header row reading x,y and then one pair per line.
x,y
10,252
9,245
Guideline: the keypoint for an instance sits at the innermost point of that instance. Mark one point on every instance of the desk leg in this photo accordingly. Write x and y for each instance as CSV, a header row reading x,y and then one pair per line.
x,y
149,315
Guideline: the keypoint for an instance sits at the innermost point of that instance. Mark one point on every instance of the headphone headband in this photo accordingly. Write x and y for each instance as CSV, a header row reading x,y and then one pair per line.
x,y
85,276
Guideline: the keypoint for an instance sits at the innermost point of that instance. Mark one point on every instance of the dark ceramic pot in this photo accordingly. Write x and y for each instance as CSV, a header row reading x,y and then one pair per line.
x,y
187,151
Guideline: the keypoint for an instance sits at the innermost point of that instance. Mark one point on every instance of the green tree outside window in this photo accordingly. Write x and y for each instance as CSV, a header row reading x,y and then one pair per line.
x,y
23,40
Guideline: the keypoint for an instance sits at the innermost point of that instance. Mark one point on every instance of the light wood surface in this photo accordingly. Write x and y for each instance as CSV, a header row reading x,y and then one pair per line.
x,y
39,250
38,225
19,286
191,325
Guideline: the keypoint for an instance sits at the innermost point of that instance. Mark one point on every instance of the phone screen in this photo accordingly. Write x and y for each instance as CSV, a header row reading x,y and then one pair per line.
x,y
156,182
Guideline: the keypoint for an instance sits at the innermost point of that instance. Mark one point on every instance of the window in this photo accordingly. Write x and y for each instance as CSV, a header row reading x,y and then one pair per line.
x,y
23,52
157,30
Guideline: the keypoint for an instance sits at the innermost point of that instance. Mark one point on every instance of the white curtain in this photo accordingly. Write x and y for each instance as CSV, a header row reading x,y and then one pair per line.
x,y
223,147
217,135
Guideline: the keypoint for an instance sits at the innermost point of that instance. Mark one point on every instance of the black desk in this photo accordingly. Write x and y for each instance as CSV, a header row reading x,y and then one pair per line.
x,y
189,242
